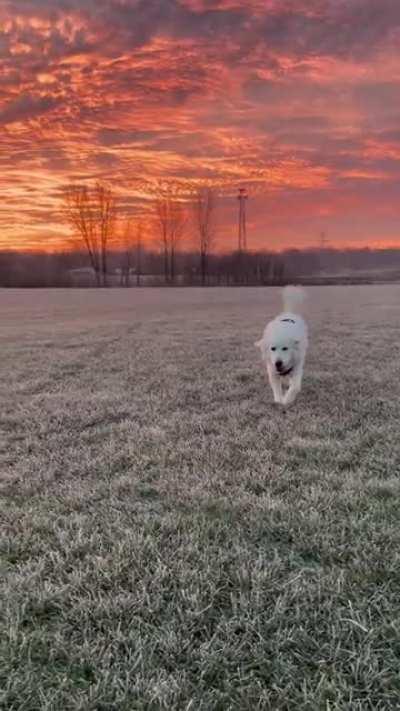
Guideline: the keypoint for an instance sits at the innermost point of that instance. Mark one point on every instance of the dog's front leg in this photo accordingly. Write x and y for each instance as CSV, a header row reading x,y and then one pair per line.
x,y
276,385
293,391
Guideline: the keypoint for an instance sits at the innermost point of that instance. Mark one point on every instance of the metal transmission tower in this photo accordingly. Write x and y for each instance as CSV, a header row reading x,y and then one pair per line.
x,y
323,245
242,197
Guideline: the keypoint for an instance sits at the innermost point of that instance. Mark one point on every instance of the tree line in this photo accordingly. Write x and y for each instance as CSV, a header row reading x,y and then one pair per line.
x,y
92,213
108,248
70,268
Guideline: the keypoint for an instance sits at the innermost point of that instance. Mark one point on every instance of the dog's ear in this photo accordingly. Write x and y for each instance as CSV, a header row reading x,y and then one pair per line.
x,y
258,344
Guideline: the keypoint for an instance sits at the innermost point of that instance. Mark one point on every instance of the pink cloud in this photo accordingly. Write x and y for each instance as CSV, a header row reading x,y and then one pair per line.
x,y
279,96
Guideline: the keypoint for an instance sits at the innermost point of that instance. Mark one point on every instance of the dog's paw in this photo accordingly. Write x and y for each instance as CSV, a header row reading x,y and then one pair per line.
x,y
289,399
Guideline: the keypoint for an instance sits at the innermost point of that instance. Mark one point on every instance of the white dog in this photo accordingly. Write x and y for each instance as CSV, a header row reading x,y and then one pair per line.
x,y
283,347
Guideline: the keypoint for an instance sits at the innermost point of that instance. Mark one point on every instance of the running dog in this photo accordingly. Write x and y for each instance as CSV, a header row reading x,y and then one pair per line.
x,y
283,348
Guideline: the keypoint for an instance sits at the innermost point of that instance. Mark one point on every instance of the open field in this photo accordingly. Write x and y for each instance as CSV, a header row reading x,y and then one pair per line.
x,y
169,540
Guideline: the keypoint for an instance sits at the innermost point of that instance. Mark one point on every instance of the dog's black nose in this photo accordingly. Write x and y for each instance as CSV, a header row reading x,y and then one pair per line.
x,y
278,364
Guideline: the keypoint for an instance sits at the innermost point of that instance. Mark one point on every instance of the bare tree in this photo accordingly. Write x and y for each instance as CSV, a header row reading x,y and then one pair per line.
x,y
92,215
131,256
107,213
138,252
161,215
80,211
126,253
204,214
171,222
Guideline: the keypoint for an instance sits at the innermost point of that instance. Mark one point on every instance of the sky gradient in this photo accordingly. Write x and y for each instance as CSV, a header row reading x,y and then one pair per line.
x,y
297,100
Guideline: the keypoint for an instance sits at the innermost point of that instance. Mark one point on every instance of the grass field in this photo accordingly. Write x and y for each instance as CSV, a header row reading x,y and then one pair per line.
x,y
169,539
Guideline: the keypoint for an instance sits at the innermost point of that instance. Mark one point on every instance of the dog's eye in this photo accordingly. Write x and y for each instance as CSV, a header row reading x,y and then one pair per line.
x,y
273,348
284,348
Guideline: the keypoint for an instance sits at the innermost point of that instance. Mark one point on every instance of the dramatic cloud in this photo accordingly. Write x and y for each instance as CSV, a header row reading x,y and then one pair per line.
x,y
26,107
296,99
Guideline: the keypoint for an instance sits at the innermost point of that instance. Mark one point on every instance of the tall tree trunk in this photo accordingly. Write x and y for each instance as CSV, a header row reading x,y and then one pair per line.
x,y
104,266
166,265
172,265
203,268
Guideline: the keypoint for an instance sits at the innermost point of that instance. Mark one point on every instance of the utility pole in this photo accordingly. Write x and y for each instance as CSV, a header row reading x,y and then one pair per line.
x,y
242,197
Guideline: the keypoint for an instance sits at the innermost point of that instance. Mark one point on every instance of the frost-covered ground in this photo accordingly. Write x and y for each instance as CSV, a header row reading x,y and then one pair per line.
x,y
169,539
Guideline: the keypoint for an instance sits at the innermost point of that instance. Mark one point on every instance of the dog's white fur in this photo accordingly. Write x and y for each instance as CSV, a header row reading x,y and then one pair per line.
x,y
283,347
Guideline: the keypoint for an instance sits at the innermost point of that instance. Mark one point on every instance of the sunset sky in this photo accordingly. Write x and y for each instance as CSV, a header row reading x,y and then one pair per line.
x,y
297,100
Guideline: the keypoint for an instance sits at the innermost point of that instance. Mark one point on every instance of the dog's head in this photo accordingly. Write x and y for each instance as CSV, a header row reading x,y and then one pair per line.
x,y
282,352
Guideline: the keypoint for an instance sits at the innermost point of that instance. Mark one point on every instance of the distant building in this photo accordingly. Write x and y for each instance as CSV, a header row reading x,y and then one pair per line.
x,y
85,277
82,276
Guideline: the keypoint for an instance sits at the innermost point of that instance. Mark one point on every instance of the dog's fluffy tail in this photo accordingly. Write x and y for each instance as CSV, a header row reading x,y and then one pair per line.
x,y
293,297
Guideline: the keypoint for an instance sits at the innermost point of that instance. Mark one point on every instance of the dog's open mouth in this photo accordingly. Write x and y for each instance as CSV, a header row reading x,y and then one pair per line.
x,y
285,372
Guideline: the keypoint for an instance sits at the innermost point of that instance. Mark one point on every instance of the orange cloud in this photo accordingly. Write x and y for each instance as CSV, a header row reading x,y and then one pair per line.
x,y
195,91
